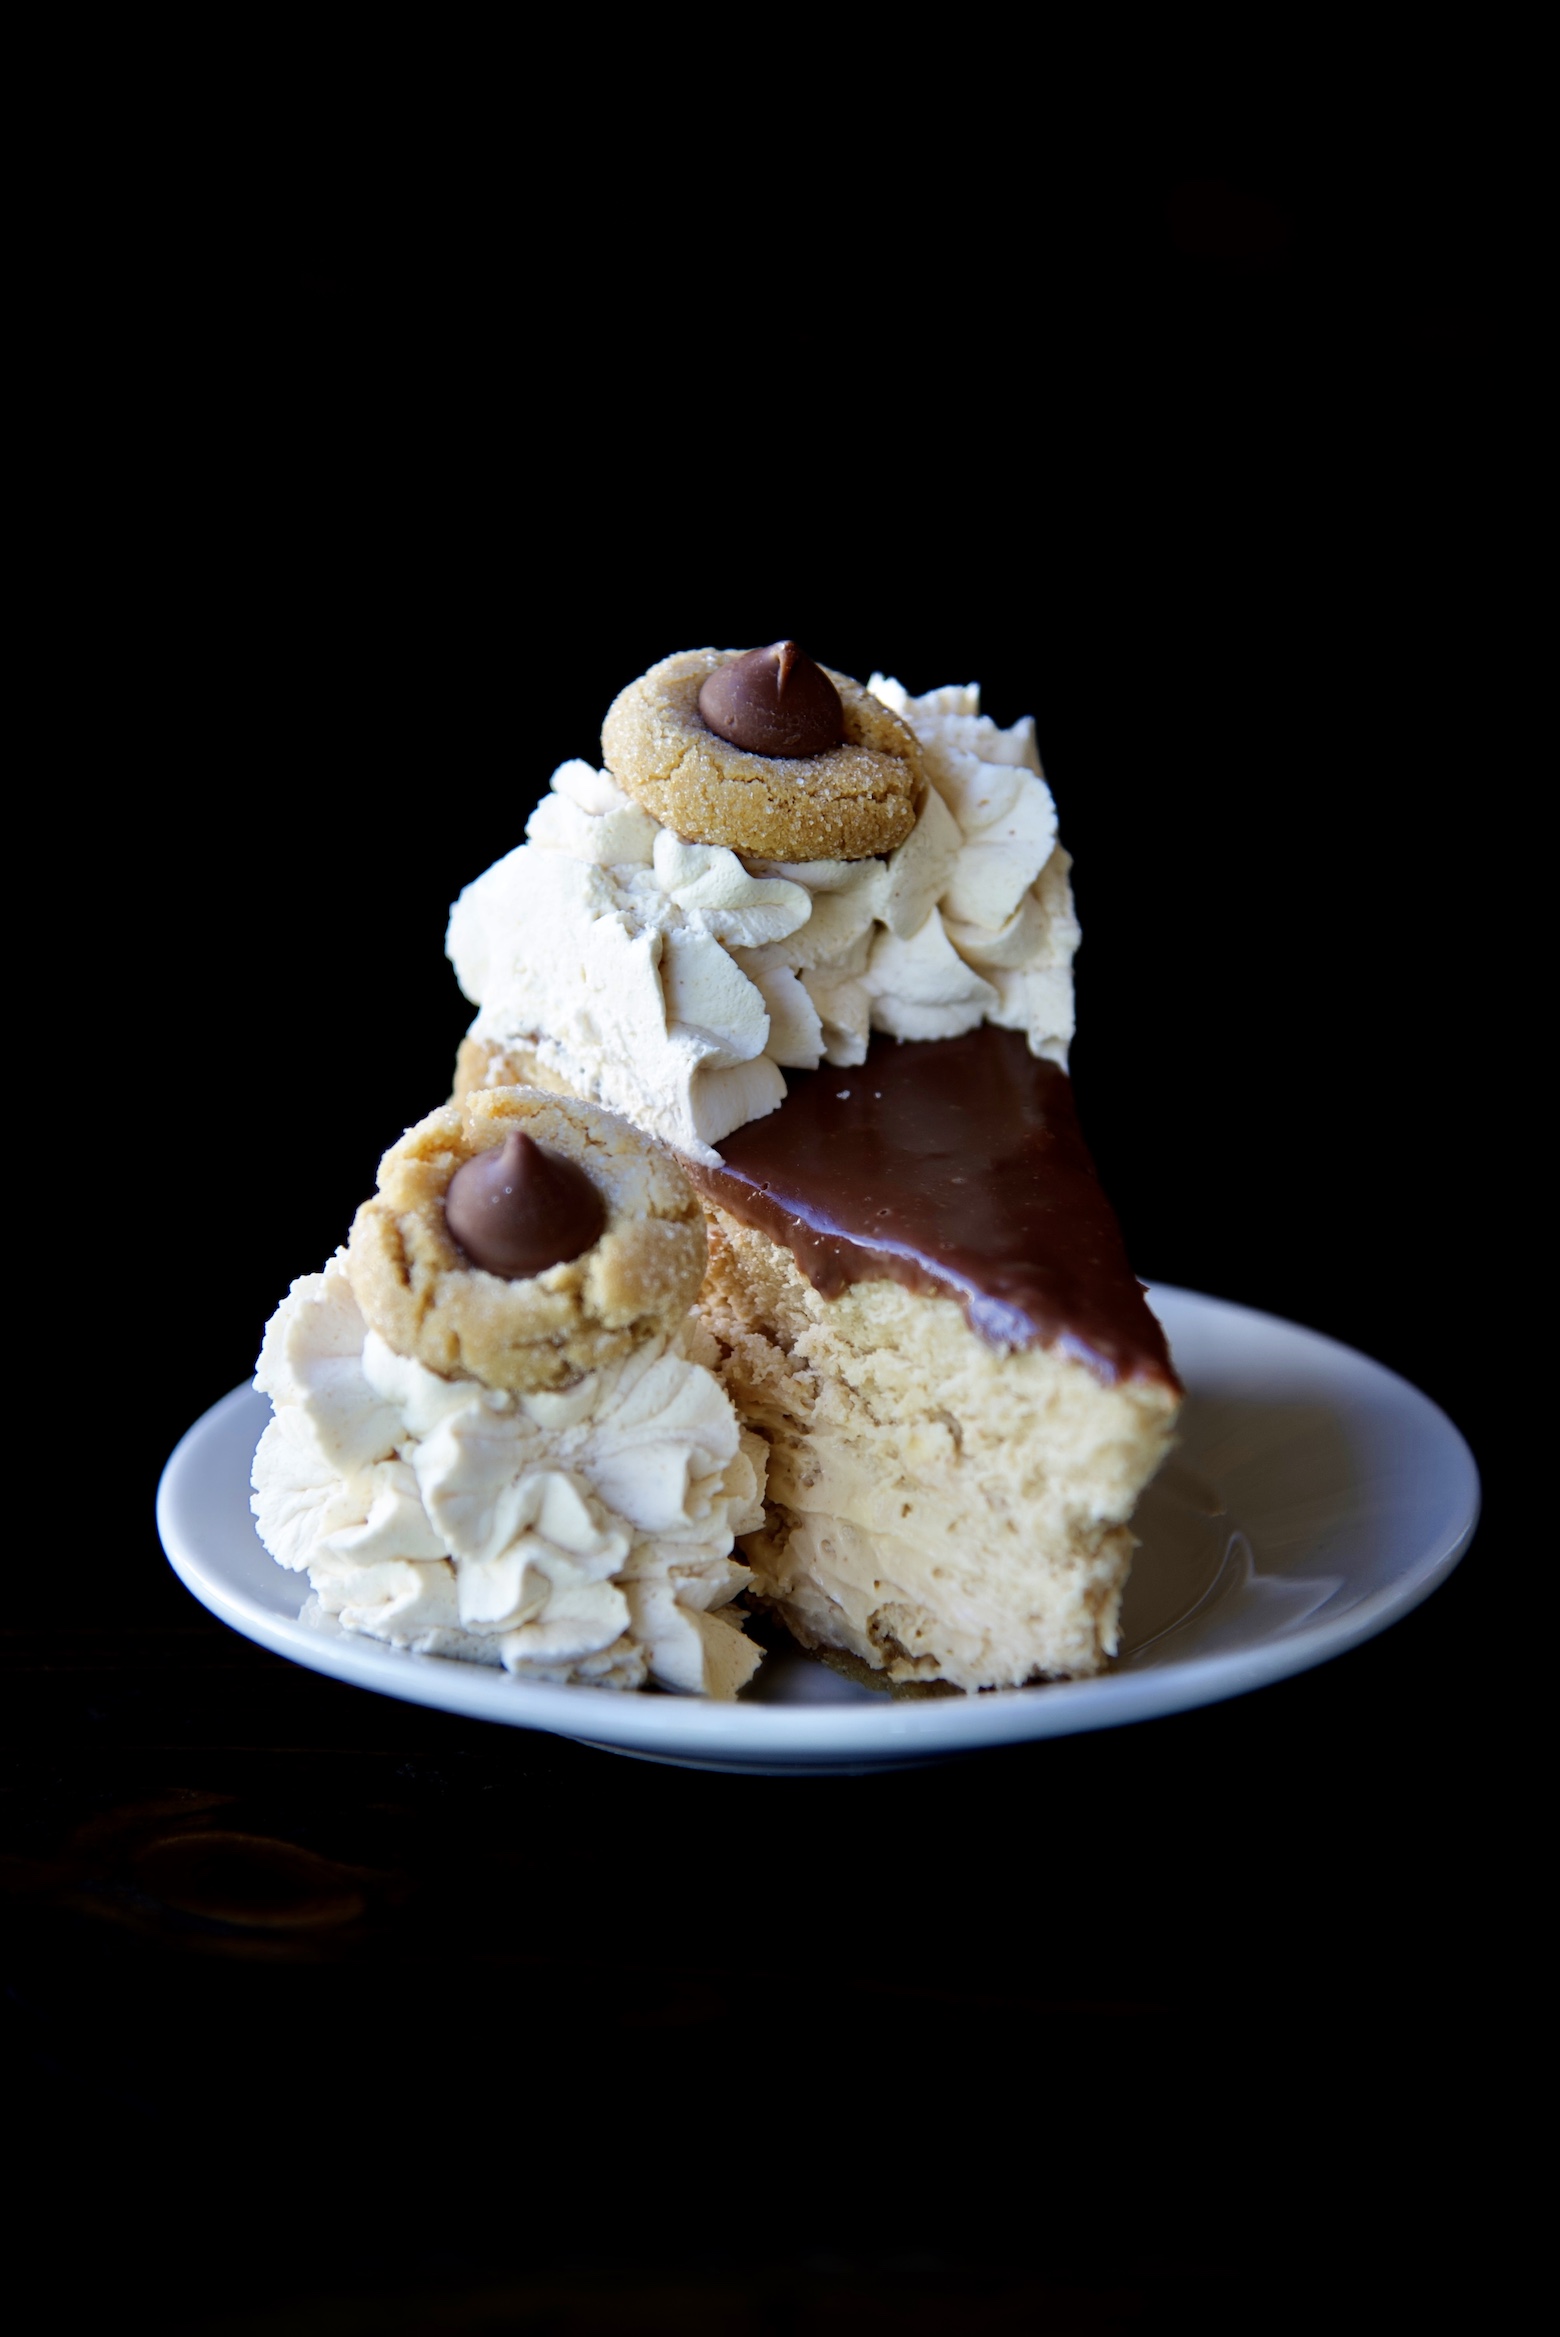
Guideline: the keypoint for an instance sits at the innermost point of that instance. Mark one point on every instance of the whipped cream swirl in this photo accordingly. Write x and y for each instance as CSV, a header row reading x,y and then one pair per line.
x,y
676,983
580,1535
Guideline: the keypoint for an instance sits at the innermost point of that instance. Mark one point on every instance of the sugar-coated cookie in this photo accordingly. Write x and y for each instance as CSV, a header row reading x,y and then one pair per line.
x,y
849,803
425,1298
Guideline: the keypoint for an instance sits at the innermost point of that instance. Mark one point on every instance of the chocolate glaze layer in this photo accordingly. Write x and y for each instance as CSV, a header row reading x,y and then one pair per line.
x,y
955,1166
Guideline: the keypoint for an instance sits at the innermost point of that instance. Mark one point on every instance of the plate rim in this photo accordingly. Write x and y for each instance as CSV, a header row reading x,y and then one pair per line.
x,y
783,1737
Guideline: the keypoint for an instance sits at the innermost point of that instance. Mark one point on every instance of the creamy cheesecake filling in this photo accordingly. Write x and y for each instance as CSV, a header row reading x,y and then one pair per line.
x,y
939,1506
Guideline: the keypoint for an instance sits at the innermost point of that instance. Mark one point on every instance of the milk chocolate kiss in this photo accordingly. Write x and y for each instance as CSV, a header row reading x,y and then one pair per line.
x,y
518,1210
774,701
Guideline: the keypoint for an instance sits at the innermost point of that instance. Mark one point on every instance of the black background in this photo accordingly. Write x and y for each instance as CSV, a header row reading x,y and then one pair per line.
x,y
1164,2028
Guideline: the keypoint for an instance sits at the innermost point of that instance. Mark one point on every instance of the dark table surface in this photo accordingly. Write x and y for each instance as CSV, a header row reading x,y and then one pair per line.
x,y
314,1993
330,2013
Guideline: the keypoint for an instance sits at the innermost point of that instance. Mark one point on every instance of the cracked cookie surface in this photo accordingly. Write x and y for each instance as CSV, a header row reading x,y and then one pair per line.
x,y
426,1299
855,801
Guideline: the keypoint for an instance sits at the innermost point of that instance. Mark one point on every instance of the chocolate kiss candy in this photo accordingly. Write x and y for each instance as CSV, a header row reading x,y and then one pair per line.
x,y
519,1210
774,701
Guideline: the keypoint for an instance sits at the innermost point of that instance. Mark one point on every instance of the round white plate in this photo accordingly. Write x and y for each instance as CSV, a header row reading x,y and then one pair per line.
x,y
1314,1498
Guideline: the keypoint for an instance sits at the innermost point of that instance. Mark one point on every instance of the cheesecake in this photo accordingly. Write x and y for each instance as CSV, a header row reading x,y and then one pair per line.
x,y
816,937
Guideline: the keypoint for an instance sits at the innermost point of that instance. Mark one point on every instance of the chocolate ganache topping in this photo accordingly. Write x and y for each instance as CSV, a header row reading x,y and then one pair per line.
x,y
518,1210
774,701
956,1166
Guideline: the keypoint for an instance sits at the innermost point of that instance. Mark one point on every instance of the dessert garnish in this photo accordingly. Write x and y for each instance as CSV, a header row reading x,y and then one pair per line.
x,y
774,701
521,1208
539,1472
794,789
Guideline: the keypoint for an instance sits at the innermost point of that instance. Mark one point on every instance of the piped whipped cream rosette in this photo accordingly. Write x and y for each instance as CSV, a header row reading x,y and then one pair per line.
x,y
676,982
485,1451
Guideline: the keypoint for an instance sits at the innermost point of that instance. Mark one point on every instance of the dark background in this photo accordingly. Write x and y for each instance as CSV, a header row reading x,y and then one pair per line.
x,y
319,1997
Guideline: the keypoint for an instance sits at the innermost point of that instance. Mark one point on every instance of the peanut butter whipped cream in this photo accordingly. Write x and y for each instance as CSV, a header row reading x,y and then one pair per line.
x,y
676,982
579,1534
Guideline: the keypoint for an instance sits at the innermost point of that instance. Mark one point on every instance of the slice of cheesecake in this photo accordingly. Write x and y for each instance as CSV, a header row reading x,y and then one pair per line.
x,y
922,1301
925,1307
855,1035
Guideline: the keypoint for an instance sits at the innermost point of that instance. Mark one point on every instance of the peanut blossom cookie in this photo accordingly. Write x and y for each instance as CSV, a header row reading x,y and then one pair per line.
x,y
766,752
496,1432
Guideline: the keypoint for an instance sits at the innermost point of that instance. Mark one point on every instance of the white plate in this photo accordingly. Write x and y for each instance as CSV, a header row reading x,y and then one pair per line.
x,y
1315,1497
